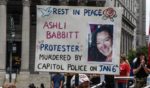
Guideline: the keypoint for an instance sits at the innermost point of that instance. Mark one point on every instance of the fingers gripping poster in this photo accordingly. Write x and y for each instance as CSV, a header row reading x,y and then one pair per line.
x,y
78,39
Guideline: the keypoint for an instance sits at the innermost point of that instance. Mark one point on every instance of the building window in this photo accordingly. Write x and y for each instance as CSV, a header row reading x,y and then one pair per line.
x,y
54,2
115,3
121,49
126,3
100,3
127,41
91,3
123,42
33,15
73,2
35,2
129,4
132,6
123,11
33,19
118,4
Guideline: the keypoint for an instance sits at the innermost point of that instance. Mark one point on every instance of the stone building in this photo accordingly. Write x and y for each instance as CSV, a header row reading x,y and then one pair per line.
x,y
141,23
23,13
128,39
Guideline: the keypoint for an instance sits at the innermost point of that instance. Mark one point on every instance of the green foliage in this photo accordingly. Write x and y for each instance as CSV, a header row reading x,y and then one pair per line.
x,y
143,49
132,53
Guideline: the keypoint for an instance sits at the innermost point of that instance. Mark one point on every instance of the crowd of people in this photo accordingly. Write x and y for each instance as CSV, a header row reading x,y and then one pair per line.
x,y
139,67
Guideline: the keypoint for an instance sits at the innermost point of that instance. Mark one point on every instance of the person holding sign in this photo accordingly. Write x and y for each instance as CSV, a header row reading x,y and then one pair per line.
x,y
101,46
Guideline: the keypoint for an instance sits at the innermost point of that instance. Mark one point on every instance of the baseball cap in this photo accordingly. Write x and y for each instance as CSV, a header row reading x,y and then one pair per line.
x,y
82,78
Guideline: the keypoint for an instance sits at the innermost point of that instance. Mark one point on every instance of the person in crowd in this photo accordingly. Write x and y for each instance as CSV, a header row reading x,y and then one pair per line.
x,y
110,81
57,80
32,85
6,85
141,70
95,79
124,71
17,64
83,81
101,46
68,79
9,85
42,85
133,63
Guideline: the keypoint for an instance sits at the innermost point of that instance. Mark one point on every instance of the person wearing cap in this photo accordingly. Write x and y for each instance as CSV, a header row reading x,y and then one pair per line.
x,y
83,81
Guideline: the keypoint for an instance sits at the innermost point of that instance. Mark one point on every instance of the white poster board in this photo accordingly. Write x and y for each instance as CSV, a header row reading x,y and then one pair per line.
x,y
65,39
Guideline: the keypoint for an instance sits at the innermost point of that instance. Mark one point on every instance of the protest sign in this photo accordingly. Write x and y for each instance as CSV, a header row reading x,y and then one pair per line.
x,y
65,39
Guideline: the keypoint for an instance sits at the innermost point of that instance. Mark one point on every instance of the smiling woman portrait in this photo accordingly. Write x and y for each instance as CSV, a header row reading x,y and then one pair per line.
x,y
100,48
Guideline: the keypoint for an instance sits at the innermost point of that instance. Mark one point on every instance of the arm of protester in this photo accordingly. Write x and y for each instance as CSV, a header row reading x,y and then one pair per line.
x,y
61,84
52,84
128,70
136,70
147,69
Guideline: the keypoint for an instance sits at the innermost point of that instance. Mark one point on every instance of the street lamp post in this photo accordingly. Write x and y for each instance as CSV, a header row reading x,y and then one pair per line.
x,y
12,36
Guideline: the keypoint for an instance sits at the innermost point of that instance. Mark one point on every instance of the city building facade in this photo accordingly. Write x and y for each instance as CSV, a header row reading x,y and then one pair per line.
x,y
141,23
129,26
22,13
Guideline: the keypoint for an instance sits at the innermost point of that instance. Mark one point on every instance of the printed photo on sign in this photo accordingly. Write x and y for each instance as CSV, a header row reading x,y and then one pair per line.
x,y
100,43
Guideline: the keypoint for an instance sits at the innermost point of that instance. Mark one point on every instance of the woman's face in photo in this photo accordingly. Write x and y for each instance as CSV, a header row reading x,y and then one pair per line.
x,y
104,43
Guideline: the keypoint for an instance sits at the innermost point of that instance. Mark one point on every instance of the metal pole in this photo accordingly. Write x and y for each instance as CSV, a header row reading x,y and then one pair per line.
x,y
12,35
76,80
10,63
